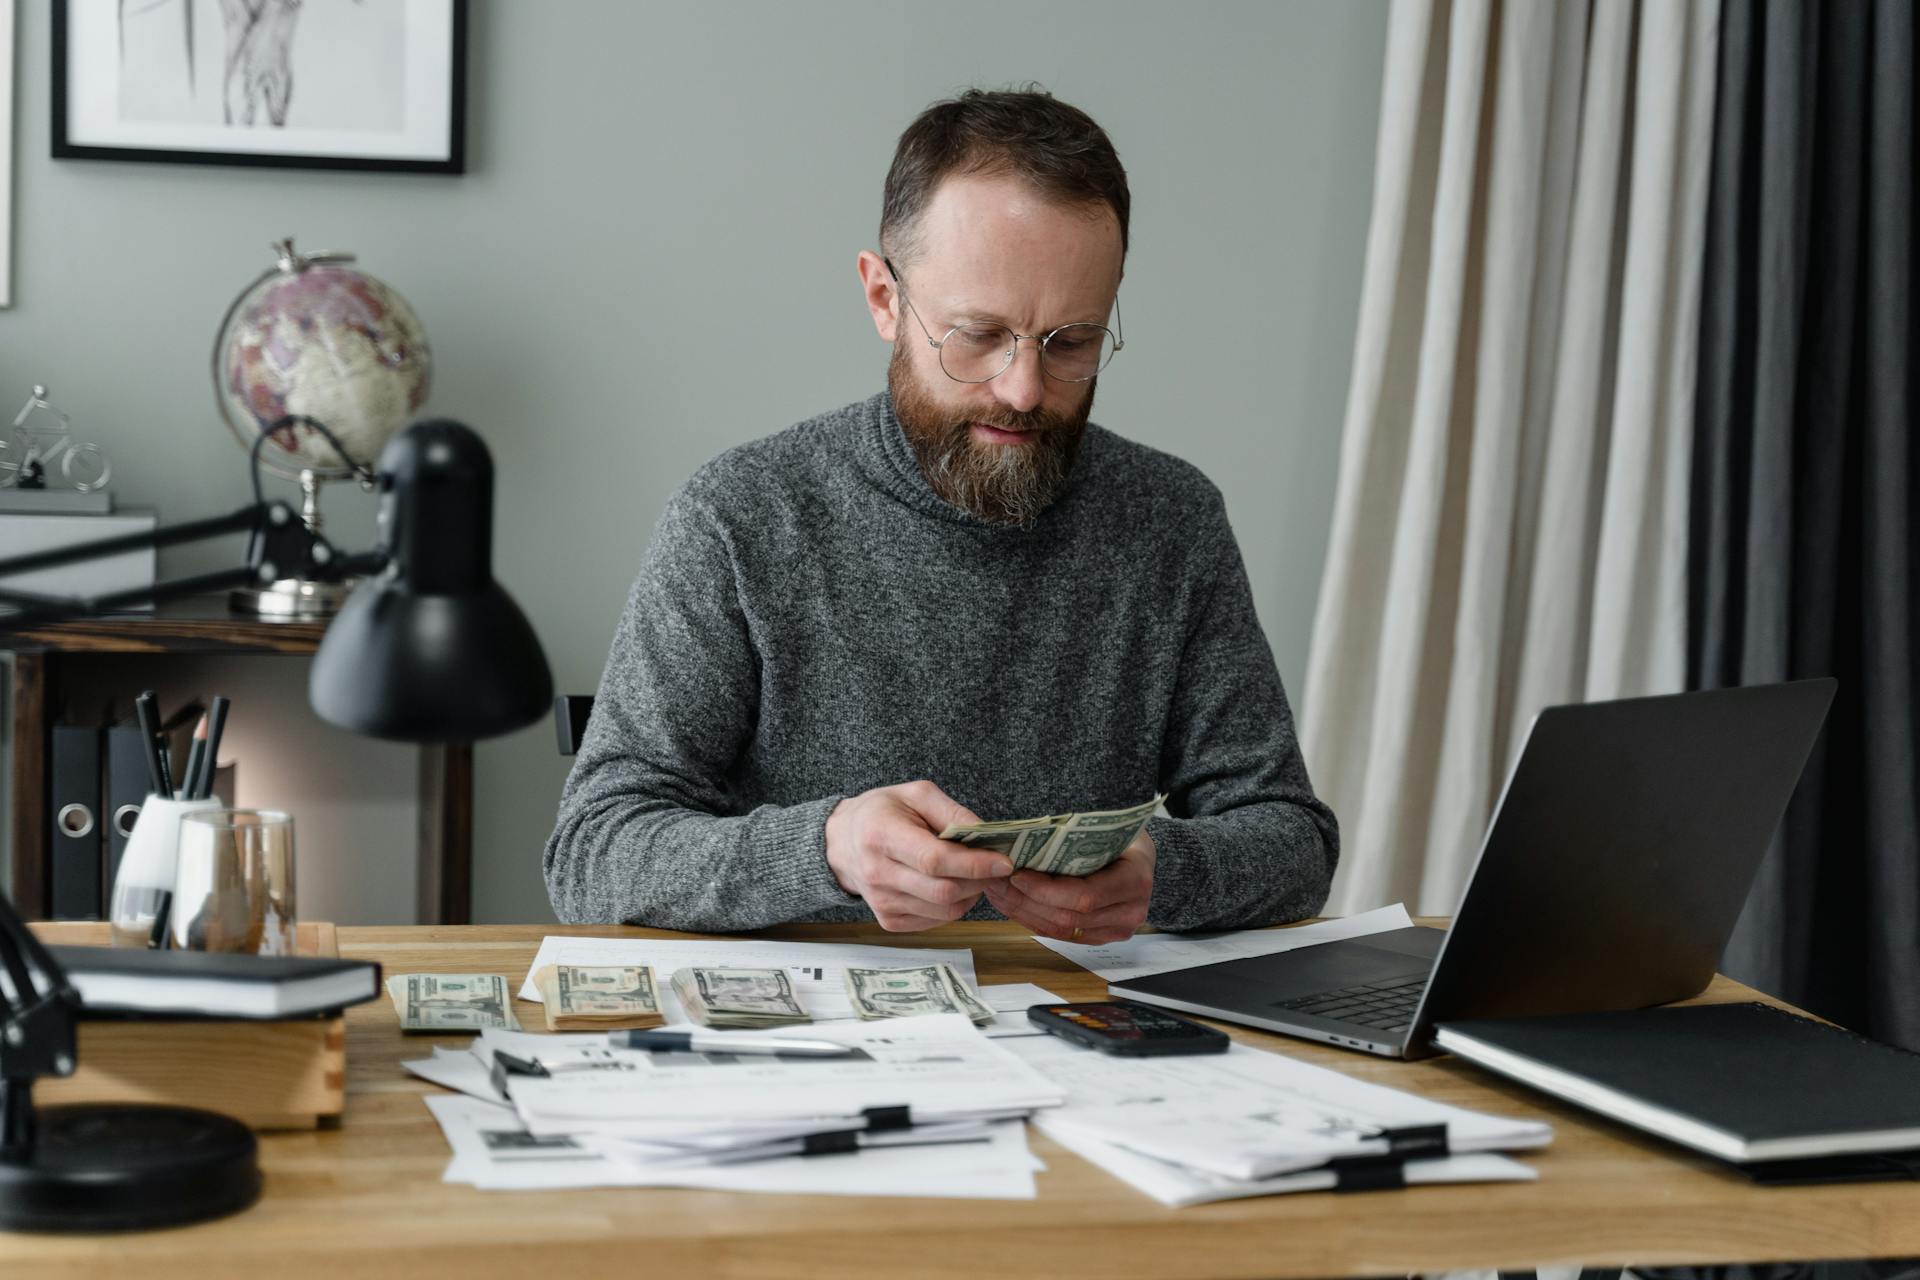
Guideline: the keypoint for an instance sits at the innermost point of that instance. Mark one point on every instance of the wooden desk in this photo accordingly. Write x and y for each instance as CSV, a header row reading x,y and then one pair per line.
x,y
47,664
367,1199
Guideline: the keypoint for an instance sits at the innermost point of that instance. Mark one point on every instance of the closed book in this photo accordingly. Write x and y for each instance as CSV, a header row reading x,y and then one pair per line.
x,y
1748,1083
125,571
73,803
98,502
205,984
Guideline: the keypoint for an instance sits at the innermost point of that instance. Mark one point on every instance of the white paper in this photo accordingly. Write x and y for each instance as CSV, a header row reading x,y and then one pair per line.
x,y
1188,1129
1177,1187
493,1151
1148,953
1010,1001
934,1064
1248,1113
816,968
458,1069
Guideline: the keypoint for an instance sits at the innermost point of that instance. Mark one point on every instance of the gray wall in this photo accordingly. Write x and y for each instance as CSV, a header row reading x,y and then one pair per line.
x,y
652,259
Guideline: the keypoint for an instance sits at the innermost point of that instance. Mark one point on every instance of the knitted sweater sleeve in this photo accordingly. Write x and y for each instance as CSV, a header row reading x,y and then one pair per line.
x,y
1248,842
648,831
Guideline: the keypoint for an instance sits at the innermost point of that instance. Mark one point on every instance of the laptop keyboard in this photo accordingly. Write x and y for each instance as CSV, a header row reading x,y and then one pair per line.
x,y
1384,1006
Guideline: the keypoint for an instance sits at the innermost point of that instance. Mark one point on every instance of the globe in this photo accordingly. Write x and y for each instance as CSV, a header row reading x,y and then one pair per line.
x,y
316,338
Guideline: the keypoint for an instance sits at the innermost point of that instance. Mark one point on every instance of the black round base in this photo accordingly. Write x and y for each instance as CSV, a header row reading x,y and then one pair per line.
x,y
115,1167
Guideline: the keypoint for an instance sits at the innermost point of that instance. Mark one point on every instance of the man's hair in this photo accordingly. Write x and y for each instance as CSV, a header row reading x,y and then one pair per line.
x,y
1025,132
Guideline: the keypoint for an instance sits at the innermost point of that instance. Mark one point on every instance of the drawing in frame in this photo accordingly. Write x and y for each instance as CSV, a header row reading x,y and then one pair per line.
x,y
6,153
302,84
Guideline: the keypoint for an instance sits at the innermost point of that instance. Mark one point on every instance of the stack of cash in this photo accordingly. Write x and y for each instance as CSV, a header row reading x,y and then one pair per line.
x,y
448,1002
1062,844
739,997
598,997
906,993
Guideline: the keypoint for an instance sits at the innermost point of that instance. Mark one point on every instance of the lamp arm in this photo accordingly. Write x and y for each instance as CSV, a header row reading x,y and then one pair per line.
x,y
281,545
36,1026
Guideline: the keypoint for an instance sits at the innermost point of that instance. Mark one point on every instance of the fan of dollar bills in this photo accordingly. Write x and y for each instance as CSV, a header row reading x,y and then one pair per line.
x,y
908,993
1062,844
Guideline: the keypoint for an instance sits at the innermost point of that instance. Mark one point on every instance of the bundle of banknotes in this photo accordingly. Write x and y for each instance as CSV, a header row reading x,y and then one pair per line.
x,y
581,997
451,1002
1061,844
739,997
908,993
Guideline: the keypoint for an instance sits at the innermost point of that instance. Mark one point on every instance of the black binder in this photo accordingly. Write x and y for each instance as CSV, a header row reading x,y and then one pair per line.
x,y
74,841
126,790
1783,1098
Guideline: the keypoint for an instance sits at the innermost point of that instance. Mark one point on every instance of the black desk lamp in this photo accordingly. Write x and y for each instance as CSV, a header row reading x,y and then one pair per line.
x,y
428,649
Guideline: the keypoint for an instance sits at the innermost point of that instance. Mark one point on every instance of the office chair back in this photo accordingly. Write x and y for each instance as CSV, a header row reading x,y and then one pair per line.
x,y
570,712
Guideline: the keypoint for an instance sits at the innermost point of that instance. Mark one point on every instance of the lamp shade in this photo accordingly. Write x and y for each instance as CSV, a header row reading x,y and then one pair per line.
x,y
431,649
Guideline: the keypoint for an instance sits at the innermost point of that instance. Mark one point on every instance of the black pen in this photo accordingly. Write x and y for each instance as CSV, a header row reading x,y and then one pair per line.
x,y
190,777
210,762
147,711
157,937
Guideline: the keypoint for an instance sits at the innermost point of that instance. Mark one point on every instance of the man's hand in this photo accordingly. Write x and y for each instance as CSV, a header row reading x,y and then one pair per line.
x,y
884,845
1106,906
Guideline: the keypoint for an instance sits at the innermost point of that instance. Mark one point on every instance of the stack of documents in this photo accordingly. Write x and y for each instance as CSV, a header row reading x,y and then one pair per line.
x,y
932,1105
922,1106
1187,1130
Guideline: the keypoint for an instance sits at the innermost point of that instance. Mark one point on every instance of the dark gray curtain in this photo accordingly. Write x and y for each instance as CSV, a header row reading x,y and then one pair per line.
x,y
1803,538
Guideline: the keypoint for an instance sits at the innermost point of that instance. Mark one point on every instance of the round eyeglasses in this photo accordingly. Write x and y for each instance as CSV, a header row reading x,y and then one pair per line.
x,y
982,351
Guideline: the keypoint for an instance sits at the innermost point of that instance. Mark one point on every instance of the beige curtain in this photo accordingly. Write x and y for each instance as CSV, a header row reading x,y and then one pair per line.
x,y
1511,522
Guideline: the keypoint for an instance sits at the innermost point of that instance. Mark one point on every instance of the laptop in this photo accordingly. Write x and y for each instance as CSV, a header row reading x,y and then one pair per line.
x,y
1617,861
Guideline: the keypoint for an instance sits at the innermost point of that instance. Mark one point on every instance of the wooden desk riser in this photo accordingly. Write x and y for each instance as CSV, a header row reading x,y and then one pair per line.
x,y
367,1199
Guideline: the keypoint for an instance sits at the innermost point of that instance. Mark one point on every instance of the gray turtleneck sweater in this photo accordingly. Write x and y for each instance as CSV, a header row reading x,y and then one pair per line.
x,y
811,621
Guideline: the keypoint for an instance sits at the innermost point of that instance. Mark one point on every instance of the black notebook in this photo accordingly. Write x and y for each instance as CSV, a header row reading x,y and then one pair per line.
x,y
1747,1083
201,984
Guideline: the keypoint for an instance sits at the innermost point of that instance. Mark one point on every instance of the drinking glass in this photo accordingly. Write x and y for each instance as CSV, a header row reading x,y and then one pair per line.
x,y
233,885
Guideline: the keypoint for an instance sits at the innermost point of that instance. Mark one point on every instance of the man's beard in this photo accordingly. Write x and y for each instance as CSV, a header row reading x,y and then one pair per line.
x,y
1004,484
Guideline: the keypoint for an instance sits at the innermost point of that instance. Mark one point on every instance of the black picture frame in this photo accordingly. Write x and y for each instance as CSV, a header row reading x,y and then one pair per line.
x,y
64,148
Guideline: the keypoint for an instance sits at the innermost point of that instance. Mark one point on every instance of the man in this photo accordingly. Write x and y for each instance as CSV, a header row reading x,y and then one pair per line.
x,y
957,599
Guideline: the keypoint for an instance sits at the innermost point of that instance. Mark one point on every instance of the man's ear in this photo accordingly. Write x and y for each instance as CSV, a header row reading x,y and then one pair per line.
x,y
883,295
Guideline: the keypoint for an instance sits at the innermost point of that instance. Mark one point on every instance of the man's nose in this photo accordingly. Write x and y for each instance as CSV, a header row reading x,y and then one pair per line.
x,y
1021,384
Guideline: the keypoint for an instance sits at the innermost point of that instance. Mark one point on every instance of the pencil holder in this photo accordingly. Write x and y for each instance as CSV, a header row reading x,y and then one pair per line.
x,y
145,878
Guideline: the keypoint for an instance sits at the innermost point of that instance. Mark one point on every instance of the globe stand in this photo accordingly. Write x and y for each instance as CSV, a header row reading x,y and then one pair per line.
x,y
297,597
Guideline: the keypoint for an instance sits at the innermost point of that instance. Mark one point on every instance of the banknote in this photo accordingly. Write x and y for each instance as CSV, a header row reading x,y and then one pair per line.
x,y
1061,844
598,997
907,993
448,1002
739,997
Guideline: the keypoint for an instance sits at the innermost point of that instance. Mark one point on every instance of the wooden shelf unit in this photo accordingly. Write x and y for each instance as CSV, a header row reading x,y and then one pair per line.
x,y
45,658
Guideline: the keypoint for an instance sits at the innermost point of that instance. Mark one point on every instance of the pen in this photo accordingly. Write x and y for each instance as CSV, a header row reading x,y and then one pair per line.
x,y
210,761
698,1042
190,777
147,709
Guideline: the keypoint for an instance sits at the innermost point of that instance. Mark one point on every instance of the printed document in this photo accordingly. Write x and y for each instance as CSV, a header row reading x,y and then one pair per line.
x,y
1148,953
1246,1122
938,1064
492,1150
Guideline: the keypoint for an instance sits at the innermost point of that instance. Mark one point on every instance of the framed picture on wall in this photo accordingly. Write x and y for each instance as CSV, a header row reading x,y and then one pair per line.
x,y
303,84
6,153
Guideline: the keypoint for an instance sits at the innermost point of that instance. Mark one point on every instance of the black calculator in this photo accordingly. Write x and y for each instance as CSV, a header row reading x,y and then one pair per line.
x,y
1128,1029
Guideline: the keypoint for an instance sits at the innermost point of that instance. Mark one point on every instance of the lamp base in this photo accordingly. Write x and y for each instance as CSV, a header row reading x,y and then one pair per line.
x,y
118,1167
293,598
